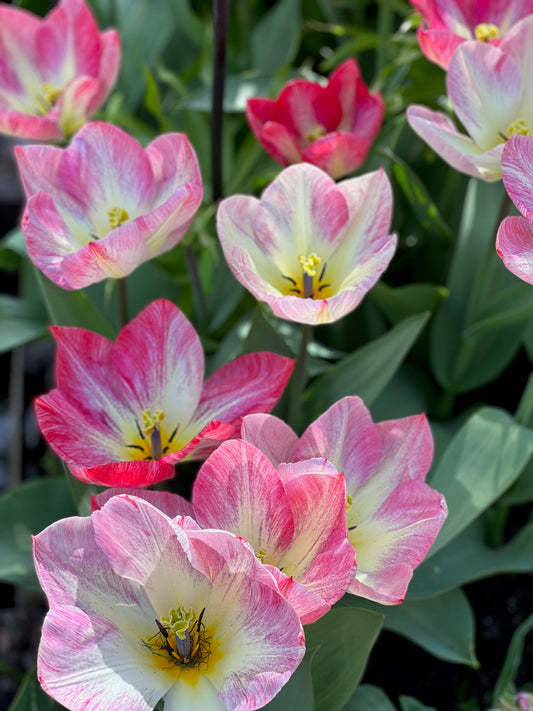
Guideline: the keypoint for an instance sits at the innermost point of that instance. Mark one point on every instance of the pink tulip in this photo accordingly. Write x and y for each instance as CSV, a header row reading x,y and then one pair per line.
x,y
310,248
393,516
123,413
294,517
492,95
104,205
145,606
514,242
330,126
448,23
54,72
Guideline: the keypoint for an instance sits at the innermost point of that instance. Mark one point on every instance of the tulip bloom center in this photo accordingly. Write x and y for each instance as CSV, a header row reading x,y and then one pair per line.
x,y
152,443
117,216
49,95
519,128
182,640
486,31
310,284
315,133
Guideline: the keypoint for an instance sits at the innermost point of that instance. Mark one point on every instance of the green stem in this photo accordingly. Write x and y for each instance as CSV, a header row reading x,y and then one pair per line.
x,y
122,302
298,378
384,31
220,21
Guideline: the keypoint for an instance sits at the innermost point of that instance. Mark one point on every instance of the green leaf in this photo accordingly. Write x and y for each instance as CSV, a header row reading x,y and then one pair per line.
x,y
484,458
72,308
22,514
403,301
513,659
344,638
20,322
443,625
263,337
367,371
31,697
521,492
369,698
276,37
297,694
467,558
408,703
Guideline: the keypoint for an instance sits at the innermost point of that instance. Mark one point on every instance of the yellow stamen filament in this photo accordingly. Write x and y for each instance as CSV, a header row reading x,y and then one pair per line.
x,y
261,554
309,284
117,216
486,32
315,133
518,128
349,502
309,263
150,422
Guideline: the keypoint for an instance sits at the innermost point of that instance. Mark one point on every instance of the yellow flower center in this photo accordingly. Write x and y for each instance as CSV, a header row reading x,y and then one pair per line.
x,y
152,443
518,128
261,554
309,283
181,640
117,216
486,31
316,132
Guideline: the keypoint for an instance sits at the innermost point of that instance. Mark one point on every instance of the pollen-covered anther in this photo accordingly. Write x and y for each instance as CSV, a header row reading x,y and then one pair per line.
x,y
182,638
117,216
261,554
519,128
309,263
315,133
486,31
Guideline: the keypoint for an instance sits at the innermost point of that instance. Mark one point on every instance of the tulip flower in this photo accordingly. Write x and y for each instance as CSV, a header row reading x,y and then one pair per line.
x,y
330,126
124,412
448,23
294,517
393,516
514,242
310,248
145,607
104,205
491,93
54,72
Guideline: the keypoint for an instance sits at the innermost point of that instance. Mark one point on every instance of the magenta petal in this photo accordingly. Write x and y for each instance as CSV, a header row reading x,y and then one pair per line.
x,y
438,45
517,173
514,244
271,435
338,154
280,143
251,503
129,474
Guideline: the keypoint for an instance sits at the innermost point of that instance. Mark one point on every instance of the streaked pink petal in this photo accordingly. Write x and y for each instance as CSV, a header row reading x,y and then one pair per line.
x,y
109,61
346,436
517,173
514,244
338,154
251,503
280,143
271,435
172,505
130,473
438,45
251,383
165,153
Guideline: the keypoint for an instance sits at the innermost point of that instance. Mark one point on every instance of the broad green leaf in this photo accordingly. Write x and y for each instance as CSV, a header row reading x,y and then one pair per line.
x,y
72,308
31,697
22,514
344,638
367,371
510,306
513,659
403,301
521,492
467,558
484,458
405,395
263,337
442,625
237,90
297,694
369,698
15,242
20,322
276,37
408,703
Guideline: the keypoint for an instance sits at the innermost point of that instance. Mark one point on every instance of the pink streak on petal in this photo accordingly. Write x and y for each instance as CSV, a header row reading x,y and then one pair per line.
x,y
517,173
170,504
338,154
280,143
514,244
130,473
174,164
271,435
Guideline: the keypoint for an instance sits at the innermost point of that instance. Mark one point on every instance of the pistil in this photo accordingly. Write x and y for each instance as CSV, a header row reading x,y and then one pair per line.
x,y
182,638
486,31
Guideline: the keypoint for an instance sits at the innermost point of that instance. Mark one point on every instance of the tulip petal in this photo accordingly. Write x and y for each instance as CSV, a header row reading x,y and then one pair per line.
x,y
517,173
170,504
271,435
514,244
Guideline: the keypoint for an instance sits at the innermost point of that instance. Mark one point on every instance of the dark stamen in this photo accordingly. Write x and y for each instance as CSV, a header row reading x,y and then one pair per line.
x,y
135,446
352,528
162,629
141,433
502,135
293,281
296,291
324,286
172,435
322,272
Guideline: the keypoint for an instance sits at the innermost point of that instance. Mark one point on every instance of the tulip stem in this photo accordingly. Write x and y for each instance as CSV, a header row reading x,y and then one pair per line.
x,y
197,288
122,302
298,378
220,21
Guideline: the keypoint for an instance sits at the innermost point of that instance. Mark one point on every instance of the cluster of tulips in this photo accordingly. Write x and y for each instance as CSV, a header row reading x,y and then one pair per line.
x,y
202,603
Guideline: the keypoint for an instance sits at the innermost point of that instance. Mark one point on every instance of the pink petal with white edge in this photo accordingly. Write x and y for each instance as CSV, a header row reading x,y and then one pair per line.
x,y
485,87
251,383
458,150
170,504
251,499
514,244
38,166
346,436
86,662
517,173
271,435
400,531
